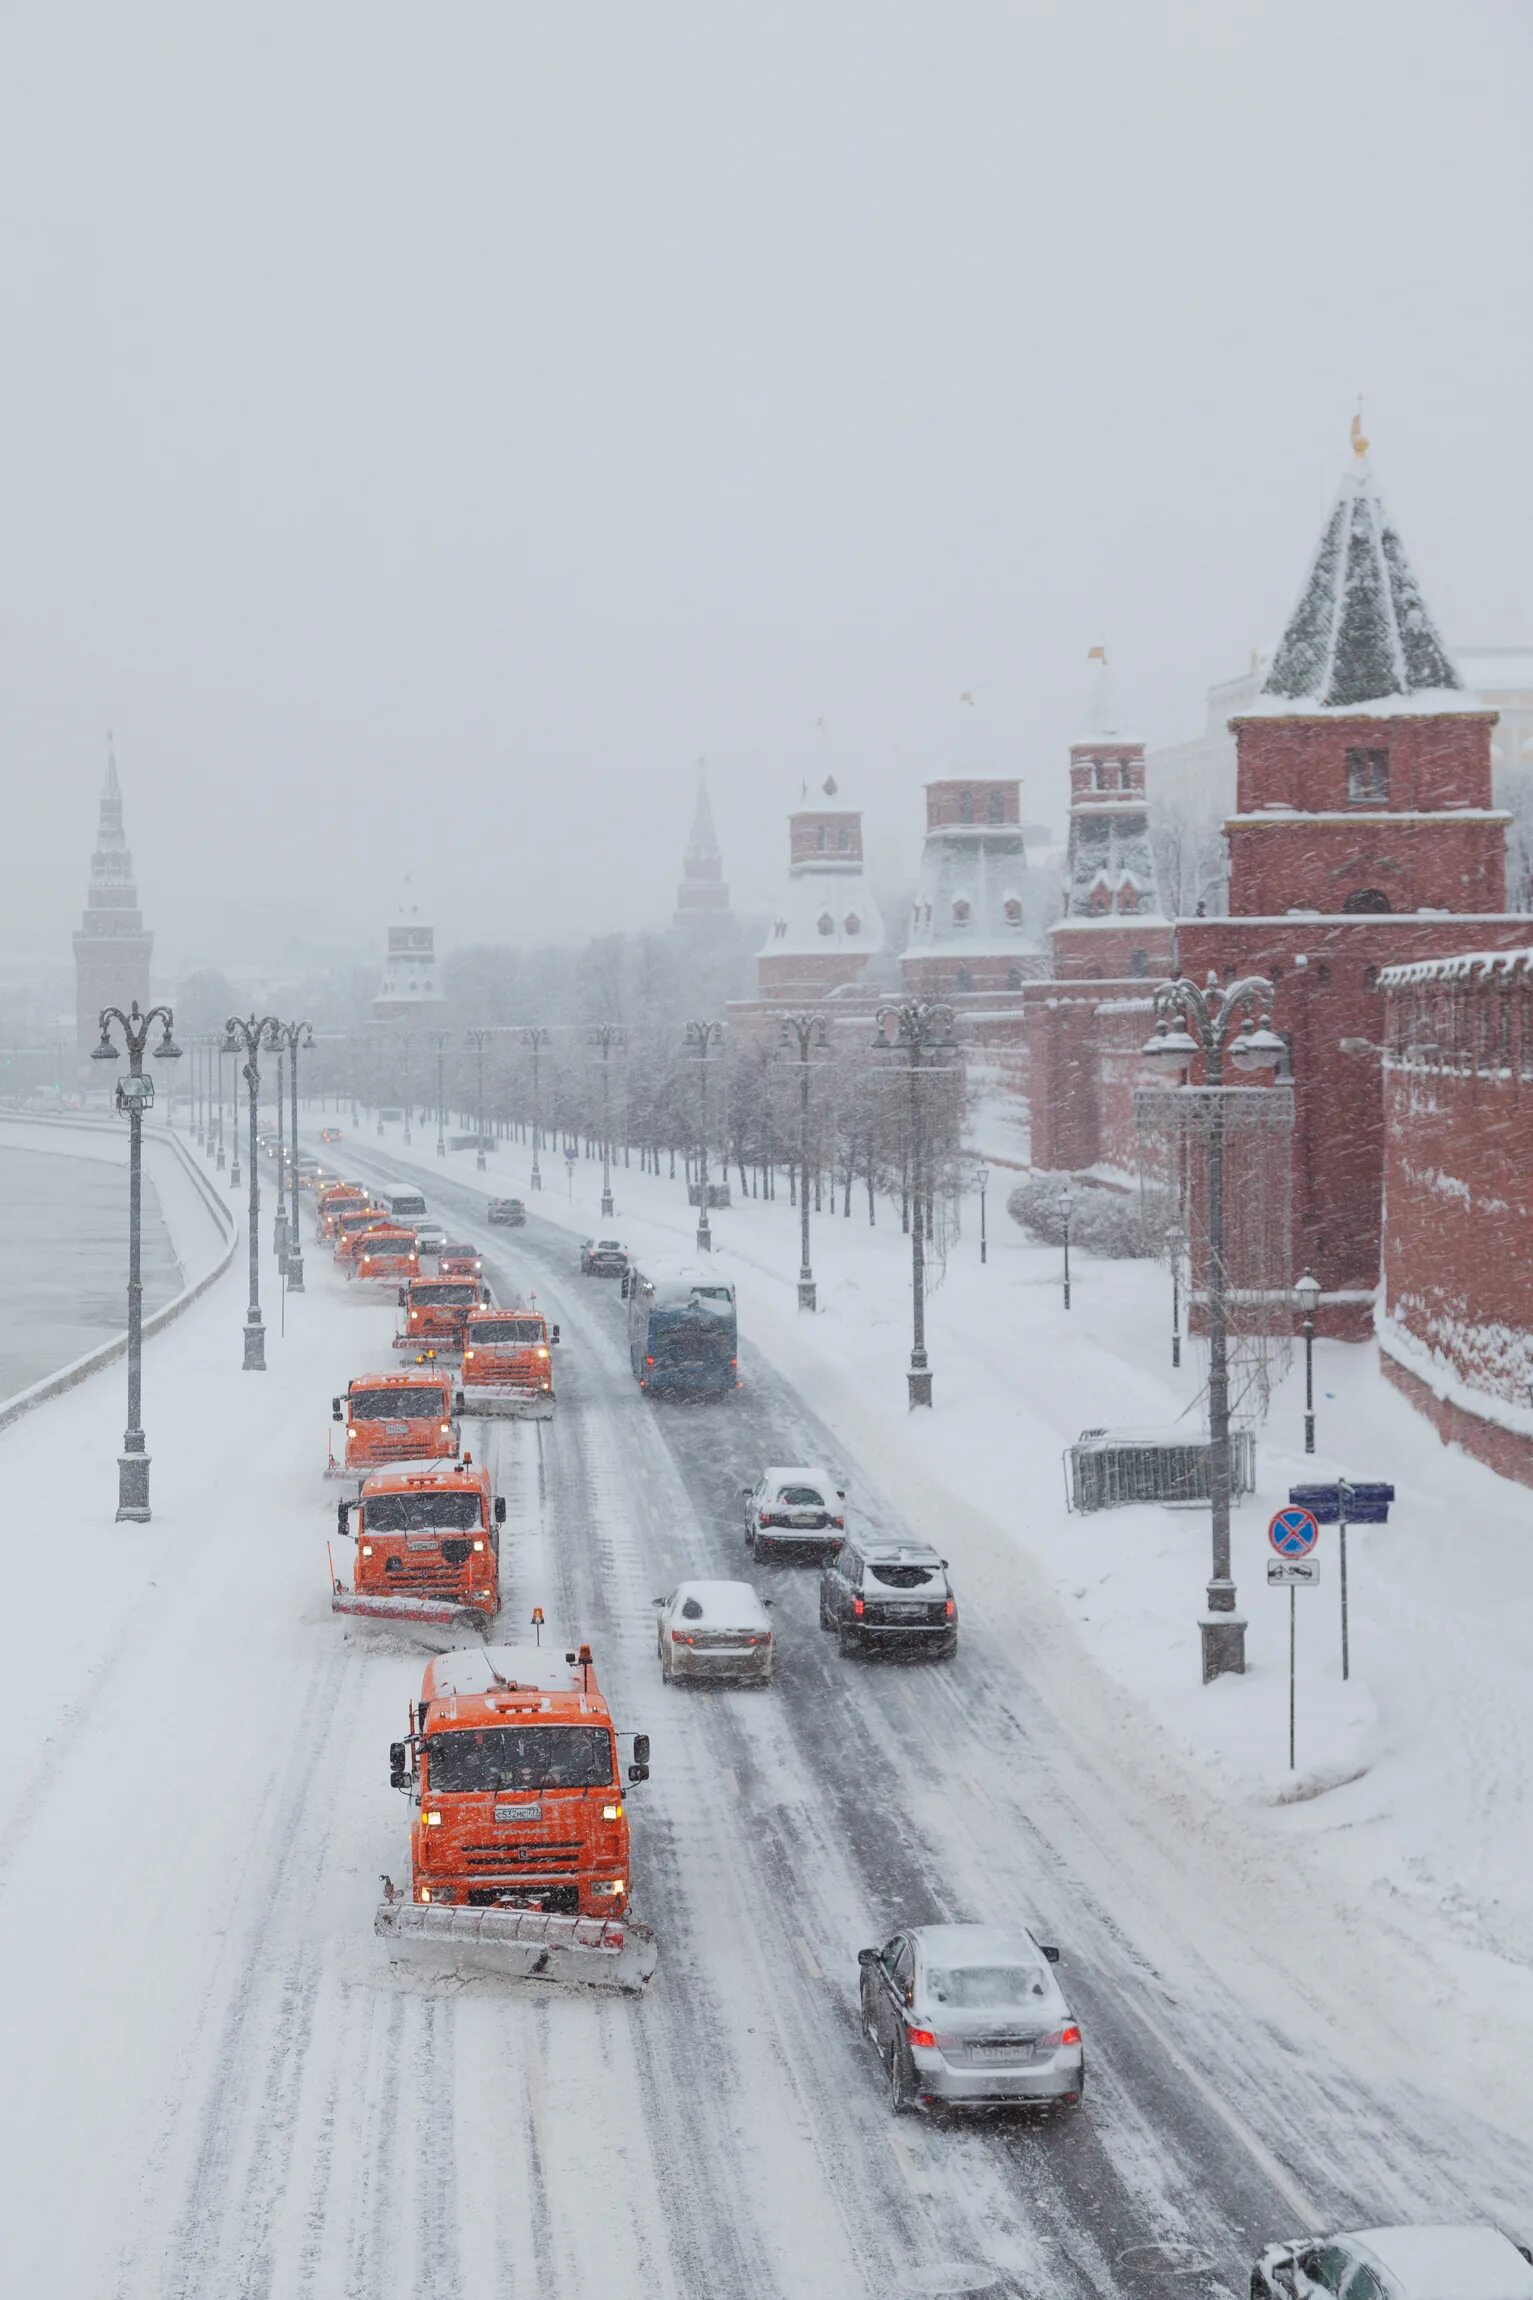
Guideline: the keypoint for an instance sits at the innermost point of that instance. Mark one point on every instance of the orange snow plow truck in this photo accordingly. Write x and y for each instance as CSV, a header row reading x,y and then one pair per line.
x,y
393,1417
426,1546
508,1366
388,1252
434,1313
519,1843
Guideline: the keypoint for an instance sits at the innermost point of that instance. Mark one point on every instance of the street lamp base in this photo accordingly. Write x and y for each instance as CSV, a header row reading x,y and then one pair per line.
x,y
441,1149
234,1175
606,1203
255,1347
806,1294
704,1237
535,1180
380,1126
1224,1645
920,1381
220,1162
1309,1433
479,1160
133,1488
295,1274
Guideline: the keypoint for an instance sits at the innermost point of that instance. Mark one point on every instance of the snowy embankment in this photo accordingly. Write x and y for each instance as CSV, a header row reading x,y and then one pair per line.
x,y
201,1226
1406,1821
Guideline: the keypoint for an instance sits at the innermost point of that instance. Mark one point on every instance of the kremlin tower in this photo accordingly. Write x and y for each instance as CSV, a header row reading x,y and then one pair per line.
x,y
111,945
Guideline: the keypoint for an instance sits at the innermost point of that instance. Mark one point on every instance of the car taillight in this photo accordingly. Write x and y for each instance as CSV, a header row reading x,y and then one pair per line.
x,y
649,1361
951,1609
1061,2036
839,1521
858,1606
921,2036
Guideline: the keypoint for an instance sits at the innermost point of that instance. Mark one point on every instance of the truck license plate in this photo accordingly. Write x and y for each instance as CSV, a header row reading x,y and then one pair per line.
x,y
504,1813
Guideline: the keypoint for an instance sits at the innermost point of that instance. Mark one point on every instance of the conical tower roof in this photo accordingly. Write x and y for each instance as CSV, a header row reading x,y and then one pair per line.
x,y
1360,637
702,840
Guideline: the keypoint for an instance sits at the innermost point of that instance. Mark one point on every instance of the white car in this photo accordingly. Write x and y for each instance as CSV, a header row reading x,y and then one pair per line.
x,y
430,1237
1396,2264
716,1629
799,1508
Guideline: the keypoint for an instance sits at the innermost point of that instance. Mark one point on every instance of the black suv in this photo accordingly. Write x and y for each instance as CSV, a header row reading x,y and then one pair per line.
x,y
889,1596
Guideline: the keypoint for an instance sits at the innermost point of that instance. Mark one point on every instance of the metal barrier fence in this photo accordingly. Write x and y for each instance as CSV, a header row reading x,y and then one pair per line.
x,y
1110,1469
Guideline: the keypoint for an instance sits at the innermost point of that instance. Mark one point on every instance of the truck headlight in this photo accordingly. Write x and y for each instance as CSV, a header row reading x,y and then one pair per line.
x,y
478,1548
612,1812
433,1820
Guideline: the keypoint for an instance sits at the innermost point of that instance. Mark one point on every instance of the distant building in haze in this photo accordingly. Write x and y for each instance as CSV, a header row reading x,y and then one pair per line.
x,y
702,898
112,946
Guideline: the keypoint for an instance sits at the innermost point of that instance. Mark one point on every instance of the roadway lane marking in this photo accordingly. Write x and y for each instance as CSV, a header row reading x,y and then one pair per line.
x,y
1256,2148
807,1959
728,1778
915,2180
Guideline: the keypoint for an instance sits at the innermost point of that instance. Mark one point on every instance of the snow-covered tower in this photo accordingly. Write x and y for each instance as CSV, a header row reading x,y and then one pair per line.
x,y
827,926
702,898
969,931
411,982
1112,925
112,946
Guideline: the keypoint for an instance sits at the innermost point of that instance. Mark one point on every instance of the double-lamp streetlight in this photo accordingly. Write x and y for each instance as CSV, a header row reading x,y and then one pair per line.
x,y
135,1095
1210,1026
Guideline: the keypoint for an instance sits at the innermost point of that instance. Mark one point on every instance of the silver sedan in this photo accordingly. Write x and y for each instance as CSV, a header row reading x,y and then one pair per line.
x,y
971,2016
714,1629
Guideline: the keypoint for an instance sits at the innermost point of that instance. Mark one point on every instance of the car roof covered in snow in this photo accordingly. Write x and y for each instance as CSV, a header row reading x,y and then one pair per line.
x,y
892,1551
801,1473
725,1604
952,1946
1443,2263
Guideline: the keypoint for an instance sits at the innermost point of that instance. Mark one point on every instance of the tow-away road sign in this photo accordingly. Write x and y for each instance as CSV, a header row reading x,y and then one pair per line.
x,y
1293,1572
1293,1532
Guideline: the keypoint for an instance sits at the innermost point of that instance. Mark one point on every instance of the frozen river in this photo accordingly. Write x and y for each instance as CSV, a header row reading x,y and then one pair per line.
x,y
64,1251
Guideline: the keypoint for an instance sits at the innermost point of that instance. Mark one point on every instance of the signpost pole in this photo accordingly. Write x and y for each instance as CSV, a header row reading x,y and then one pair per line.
x,y
1293,1602
1343,1492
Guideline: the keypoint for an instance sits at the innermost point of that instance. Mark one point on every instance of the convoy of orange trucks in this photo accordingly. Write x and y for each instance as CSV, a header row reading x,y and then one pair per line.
x,y
519,1851
520,1861
508,1366
426,1546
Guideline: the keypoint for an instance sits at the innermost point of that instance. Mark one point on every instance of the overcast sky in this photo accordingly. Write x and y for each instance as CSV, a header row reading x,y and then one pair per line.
x,y
430,424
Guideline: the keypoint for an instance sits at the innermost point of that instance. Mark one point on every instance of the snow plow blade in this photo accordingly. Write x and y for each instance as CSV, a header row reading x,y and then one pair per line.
x,y
445,1611
523,1944
509,1405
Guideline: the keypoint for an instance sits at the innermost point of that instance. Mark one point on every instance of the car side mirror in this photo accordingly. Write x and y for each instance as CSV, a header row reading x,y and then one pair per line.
x,y
657,1601
341,1526
553,1333
866,1957
336,1414
500,1501
458,1408
401,1297
1051,1954
398,1777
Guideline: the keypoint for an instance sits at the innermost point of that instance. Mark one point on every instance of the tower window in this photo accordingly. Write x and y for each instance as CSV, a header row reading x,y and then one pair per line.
x,y
1128,898
966,806
1368,779
852,923
997,806
965,979
1366,898
826,923
844,837
1139,962
961,911
1013,910
1107,778
822,838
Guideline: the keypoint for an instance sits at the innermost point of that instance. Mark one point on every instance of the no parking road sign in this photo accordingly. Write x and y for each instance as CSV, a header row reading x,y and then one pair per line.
x,y
1293,1532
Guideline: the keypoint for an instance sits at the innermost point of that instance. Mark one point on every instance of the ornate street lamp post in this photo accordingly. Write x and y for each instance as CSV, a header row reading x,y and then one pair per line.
x,y
983,1178
1307,1294
293,1036
406,1047
807,1031
439,1039
921,1027
279,1226
251,1037
606,1035
536,1037
703,1035
1201,1025
234,1114
477,1039
135,1095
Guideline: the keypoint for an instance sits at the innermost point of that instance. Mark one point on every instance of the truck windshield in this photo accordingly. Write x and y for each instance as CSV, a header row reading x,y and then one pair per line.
x,y
407,1403
358,1220
388,1249
518,1757
421,1513
516,1333
448,1294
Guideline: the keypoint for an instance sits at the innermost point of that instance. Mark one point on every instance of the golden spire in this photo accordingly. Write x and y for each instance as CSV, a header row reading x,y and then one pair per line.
x,y
1359,441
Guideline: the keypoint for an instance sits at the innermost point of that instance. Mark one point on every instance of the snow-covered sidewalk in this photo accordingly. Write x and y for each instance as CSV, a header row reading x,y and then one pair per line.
x,y
1409,1805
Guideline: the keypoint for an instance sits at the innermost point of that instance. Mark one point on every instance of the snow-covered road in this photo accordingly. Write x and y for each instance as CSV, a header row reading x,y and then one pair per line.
x,y
221,2088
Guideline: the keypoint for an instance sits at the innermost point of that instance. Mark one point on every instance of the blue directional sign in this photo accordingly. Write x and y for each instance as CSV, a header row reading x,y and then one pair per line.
x,y
1367,1504
1293,1532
